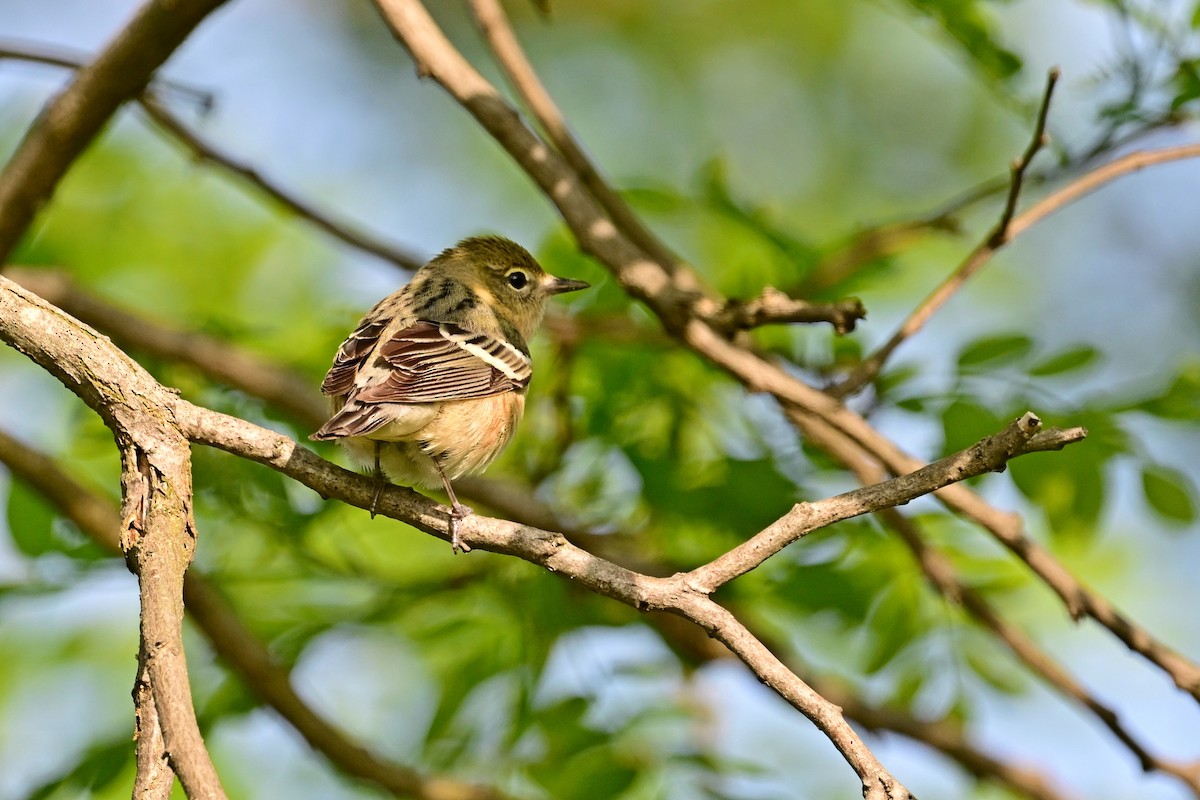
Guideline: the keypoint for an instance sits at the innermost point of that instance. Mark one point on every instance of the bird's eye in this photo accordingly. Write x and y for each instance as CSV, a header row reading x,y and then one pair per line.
x,y
517,279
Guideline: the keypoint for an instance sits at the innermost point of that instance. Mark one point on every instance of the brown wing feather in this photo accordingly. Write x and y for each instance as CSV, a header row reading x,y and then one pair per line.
x,y
340,378
432,362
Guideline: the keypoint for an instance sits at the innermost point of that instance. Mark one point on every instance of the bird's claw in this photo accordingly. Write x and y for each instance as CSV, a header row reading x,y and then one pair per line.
x,y
458,512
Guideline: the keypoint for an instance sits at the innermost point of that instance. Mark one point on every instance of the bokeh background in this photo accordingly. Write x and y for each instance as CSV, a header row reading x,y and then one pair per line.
x,y
758,137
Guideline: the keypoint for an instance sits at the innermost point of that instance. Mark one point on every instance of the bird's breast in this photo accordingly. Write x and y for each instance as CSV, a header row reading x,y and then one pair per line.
x,y
467,435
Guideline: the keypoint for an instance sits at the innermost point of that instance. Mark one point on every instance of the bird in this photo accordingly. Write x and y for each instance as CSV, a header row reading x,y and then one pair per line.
x,y
431,384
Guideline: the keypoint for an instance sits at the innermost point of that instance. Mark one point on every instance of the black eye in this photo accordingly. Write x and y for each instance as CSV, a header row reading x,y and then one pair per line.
x,y
517,279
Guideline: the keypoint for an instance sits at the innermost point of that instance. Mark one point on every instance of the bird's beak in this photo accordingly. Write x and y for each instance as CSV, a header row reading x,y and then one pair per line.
x,y
560,285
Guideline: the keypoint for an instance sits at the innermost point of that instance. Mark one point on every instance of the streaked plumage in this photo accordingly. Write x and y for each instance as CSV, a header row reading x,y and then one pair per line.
x,y
431,384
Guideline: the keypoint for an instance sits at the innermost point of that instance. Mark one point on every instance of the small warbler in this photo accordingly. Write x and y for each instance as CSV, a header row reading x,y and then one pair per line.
x,y
431,384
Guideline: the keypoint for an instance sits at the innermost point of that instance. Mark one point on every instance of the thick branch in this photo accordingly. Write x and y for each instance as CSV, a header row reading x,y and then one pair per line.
x,y
157,531
73,119
1024,435
231,641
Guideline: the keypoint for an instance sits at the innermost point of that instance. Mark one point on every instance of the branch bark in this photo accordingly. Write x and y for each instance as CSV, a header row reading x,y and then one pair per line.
x,y
73,119
157,531
240,649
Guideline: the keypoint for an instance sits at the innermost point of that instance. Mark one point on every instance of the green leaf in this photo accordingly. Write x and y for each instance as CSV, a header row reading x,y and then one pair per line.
x,y
1069,360
994,351
31,521
967,22
1169,492
895,623
1179,401
964,423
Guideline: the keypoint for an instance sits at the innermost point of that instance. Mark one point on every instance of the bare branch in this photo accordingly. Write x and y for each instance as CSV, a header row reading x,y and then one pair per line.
x,y
231,641
944,578
206,152
74,118
153,778
774,307
1019,166
1007,528
517,502
1023,435
982,255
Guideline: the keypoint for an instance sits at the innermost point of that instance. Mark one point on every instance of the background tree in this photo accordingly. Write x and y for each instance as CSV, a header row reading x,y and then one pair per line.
x,y
777,169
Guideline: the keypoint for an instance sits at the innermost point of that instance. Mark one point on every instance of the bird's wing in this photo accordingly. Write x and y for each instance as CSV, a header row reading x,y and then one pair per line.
x,y
430,361
350,356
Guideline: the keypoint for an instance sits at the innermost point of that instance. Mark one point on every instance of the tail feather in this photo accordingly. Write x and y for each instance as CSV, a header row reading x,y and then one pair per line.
x,y
354,419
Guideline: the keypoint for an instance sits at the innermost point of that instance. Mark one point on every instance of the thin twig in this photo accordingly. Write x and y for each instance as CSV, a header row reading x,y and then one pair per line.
x,y
207,152
773,307
981,255
1021,436
204,151
1019,166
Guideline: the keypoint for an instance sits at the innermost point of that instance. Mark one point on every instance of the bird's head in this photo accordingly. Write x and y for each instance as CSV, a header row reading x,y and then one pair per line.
x,y
506,279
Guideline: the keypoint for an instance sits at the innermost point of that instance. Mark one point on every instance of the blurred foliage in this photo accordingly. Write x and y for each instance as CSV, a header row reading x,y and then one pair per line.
x,y
517,678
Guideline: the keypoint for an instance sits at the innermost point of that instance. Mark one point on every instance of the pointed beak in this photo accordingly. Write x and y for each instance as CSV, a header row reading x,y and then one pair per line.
x,y
560,285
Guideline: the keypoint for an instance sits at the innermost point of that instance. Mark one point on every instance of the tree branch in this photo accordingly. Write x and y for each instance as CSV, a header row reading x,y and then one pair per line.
x,y
73,119
285,389
677,296
943,577
1006,528
1008,229
203,151
1021,436
491,19
1040,139
157,530
231,641
774,307
517,502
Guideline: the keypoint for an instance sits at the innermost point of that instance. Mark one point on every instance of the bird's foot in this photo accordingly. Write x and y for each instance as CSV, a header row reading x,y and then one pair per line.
x,y
458,512
379,481
379,484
